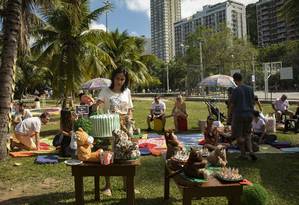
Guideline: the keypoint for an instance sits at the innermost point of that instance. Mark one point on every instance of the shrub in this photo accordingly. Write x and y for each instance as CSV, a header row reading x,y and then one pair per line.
x,y
254,195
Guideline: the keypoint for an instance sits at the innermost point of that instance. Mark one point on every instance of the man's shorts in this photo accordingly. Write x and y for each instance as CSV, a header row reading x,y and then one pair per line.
x,y
151,117
241,126
26,140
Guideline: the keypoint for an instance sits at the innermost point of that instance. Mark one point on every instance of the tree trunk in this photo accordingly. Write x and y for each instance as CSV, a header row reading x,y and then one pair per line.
x,y
11,27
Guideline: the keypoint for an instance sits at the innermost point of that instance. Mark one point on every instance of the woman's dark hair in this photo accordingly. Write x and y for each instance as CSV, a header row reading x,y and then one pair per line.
x,y
256,113
117,71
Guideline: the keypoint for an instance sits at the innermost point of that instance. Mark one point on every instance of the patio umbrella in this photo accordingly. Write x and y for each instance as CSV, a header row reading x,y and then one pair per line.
x,y
96,83
218,81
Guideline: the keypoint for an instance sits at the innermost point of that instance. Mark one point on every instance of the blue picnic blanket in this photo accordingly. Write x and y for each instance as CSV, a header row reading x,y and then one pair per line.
x,y
190,140
46,159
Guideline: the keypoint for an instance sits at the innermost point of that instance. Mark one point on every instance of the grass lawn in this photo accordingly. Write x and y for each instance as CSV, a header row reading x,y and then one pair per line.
x,y
32,184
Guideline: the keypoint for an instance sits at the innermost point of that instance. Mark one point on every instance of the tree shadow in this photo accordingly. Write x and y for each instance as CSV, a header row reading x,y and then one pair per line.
x,y
60,198
278,173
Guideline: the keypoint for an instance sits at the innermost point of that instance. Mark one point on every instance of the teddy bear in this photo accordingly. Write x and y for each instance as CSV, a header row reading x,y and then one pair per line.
x,y
84,144
123,148
218,157
195,165
172,143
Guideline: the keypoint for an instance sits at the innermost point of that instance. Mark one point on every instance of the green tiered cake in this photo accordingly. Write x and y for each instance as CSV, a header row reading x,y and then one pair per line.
x,y
104,124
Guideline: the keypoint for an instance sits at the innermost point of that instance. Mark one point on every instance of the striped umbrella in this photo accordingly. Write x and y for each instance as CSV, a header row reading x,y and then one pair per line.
x,y
218,81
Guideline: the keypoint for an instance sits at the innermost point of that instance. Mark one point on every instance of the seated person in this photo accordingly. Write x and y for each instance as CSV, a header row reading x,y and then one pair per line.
x,y
179,110
87,100
62,140
258,127
157,112
27,132
295,119
281,106
21,114
212,135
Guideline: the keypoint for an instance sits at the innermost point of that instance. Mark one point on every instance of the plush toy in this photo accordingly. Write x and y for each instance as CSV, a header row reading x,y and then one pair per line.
x,y
195,165
123,148
84,144
218,157
172,143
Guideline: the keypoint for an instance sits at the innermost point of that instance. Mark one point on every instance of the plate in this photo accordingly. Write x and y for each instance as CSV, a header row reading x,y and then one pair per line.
x,y
228,179
72,162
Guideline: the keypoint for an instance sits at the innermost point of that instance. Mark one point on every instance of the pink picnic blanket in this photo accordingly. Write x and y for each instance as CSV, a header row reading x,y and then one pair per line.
x,y
156,146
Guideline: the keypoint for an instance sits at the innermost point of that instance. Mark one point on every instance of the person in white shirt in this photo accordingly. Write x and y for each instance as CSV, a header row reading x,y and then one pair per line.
x,y
157,111
281,106
21,114
27,132
258,126
116,99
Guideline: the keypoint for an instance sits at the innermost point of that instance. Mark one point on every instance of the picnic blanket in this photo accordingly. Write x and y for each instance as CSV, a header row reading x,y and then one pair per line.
x,y
190,140
44,148
156,146
46,159
290,150
51,110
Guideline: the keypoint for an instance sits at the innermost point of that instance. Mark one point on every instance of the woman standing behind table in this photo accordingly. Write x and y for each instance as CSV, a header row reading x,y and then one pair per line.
x,y
116,99
179,110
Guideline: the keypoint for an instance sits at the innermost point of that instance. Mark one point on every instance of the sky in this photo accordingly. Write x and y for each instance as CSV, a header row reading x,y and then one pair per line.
x,y
134,15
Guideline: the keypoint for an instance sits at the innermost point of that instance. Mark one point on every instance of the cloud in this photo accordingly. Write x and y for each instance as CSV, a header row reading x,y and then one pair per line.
x,y
189,7
96,25
134,33
139,6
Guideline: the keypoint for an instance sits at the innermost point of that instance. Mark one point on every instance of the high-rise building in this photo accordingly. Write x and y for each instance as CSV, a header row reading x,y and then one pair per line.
x,y
271,26
230,13
251,23
163,15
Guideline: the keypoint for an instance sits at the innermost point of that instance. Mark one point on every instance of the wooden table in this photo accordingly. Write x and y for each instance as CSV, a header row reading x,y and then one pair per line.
x,y
94,169
212,188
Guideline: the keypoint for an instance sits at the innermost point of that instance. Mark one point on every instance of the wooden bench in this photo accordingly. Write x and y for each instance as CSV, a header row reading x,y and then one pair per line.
x,y
127,170
212,188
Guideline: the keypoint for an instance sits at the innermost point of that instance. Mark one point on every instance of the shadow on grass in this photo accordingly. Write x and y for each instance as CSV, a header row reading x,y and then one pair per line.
x,y
278,173
68,198
142,201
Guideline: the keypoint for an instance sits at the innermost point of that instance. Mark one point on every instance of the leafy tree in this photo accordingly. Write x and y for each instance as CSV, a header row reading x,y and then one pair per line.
x,y
221,51
69,48
290,12
126,51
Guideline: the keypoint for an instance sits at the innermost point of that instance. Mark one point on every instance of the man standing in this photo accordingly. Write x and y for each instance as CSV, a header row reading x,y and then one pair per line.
x,y
157,112
27,132
242,114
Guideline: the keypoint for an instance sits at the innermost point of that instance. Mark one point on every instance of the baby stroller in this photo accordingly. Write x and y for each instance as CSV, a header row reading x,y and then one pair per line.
x,y
214,111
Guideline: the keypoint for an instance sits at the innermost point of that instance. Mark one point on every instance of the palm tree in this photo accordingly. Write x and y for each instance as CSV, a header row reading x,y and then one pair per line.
x,y
126,51
28,19
11,28
69,48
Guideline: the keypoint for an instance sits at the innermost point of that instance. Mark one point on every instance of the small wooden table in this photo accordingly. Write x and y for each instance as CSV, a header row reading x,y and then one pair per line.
x,y
94,169
212,188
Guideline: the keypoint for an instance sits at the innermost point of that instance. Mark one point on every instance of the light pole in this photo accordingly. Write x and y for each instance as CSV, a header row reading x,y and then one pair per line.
x,y
107,2
201,65
184,48
253,74
167,78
